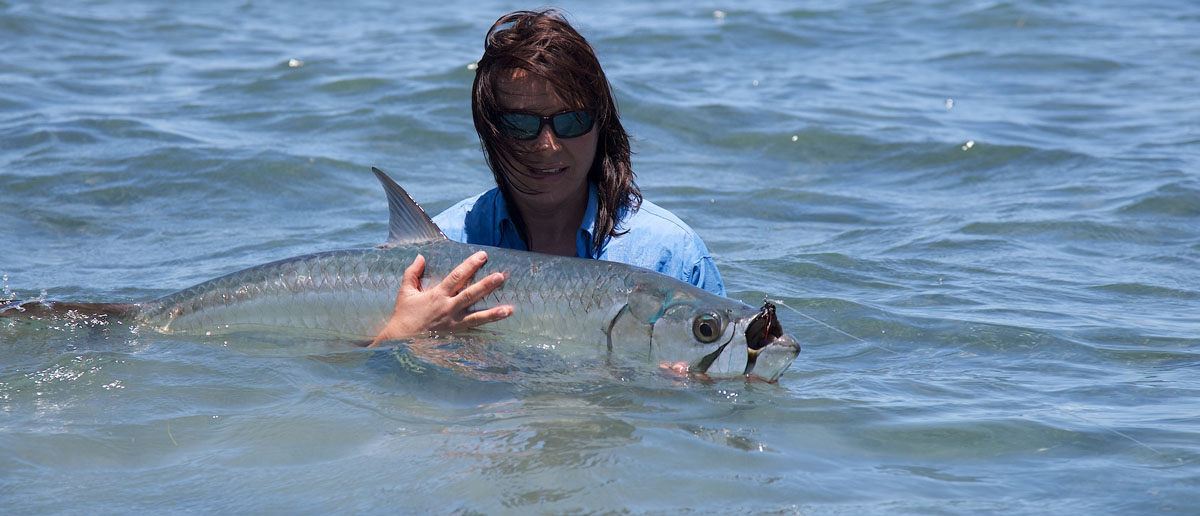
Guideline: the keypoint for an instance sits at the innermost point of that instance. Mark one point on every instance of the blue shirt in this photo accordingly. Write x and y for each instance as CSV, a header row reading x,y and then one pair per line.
x,y
657,239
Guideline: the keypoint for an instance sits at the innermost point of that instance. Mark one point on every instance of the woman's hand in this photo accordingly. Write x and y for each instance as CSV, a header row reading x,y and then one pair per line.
x,y
445,306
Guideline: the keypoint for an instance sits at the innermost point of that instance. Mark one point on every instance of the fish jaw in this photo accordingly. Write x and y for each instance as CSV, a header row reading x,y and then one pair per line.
x,y
770,361
736,358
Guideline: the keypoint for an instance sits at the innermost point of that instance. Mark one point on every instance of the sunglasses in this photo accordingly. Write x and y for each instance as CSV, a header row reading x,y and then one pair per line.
x,y
569,124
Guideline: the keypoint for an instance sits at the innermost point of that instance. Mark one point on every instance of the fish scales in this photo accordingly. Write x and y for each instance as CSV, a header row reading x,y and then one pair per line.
x,y
352,292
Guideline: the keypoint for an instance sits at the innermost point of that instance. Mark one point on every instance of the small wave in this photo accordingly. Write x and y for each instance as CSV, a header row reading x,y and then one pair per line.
x,y
355,85
1175,200
1138,289
1025,62
1090,231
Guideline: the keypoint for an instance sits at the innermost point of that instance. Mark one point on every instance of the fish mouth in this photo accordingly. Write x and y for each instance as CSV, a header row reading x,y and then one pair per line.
x,y
769,351
770,361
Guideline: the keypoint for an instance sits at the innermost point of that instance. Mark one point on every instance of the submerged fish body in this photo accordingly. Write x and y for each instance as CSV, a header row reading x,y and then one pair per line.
x,y
596,306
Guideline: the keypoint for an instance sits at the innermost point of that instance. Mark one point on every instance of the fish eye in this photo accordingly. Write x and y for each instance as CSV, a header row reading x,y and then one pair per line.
x,y
707,327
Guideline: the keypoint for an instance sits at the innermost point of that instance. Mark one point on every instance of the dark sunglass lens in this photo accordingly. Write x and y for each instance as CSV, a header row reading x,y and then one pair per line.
x,y
570,125
520,126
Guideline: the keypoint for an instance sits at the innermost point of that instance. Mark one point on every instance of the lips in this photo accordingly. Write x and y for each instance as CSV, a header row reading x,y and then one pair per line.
x,y
548,171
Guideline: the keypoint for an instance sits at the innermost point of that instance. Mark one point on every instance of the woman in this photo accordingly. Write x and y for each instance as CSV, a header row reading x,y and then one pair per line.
x,y
553,140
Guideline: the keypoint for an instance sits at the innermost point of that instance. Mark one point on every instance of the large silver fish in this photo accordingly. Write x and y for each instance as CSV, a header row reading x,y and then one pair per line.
x,y
584,305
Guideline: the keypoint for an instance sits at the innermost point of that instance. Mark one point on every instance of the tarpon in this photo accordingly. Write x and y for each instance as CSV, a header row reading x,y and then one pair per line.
x,y
596,305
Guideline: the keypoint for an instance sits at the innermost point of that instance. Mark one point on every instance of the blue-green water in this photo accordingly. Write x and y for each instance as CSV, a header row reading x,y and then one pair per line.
x,y
1000,201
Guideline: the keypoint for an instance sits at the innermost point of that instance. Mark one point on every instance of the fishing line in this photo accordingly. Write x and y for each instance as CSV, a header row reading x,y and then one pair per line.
x,y
1061,411
780,302
1055,410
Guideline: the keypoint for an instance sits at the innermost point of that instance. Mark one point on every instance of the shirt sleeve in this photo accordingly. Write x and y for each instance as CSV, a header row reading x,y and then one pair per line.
x,y
705,275
453,221
660,241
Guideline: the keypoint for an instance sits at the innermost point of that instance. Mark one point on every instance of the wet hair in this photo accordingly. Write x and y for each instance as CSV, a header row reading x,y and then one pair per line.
x,y
544,44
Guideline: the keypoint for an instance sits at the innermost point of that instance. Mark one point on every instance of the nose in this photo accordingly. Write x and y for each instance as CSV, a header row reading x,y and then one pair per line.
x,y
546,140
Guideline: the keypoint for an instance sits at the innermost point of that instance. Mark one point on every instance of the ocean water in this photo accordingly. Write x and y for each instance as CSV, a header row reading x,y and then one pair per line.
x,y
984,216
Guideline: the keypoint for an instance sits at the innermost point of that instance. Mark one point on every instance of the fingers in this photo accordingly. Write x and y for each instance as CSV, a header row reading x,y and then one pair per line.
x,y
457,279
479,290
493,314
474,294
412,274
446,306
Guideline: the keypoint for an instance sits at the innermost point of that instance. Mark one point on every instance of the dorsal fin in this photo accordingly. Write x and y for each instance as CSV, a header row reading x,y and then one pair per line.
x,y
407,222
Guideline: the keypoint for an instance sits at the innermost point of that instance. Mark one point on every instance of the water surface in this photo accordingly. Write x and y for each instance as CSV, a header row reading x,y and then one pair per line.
x,y
994,207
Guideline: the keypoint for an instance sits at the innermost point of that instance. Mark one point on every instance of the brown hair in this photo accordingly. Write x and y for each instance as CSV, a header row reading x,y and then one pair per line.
x,y
544,44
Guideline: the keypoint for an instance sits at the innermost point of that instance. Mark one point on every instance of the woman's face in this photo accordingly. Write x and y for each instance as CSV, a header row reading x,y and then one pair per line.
x,y
553,169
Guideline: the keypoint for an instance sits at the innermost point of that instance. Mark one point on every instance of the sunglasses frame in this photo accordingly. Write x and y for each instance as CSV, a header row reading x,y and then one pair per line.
x,y
506,128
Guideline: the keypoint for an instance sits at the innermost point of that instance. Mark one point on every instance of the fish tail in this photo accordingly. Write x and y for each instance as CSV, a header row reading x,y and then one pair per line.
x,y
13,308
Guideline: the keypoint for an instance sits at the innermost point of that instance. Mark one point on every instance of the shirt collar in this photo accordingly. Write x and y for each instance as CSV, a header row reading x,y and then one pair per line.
x,y
587,226
504,222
